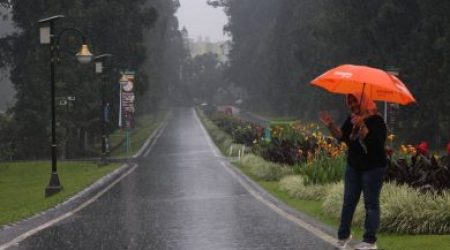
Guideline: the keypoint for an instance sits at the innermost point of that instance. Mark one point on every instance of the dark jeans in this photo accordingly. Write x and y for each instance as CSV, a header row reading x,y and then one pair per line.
x,y
370,183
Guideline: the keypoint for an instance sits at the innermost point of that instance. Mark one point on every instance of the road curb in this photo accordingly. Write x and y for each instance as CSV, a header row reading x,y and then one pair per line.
x,y
13,230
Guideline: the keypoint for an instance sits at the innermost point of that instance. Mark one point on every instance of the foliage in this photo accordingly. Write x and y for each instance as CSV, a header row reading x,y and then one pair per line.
x,y
403,209
297,143
421,172
242,132
323,170
145,127
295,186
222,139
264,170
281,151
204,79
142,35
321,160
6,132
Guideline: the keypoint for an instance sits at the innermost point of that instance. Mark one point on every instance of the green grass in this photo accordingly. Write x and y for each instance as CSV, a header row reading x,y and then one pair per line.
x,y
145,125
22,185
386,241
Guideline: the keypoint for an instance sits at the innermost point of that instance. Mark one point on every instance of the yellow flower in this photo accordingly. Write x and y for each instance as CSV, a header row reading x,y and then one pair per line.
x,y
391,137
403,149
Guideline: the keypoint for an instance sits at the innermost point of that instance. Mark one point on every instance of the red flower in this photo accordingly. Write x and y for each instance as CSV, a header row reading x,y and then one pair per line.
x,y
448,148
422,148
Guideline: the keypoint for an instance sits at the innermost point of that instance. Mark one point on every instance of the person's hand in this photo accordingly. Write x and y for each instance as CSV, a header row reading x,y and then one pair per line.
x,y
356,120
325,118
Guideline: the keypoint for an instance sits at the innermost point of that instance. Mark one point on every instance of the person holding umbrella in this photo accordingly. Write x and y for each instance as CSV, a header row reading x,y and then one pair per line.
x,y
364,132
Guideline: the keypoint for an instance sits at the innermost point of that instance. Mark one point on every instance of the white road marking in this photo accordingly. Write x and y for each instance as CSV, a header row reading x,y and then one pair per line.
x,y
156,139
208,138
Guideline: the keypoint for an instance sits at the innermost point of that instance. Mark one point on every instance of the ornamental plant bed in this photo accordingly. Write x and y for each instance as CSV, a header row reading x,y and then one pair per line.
x,y
421,172
322,158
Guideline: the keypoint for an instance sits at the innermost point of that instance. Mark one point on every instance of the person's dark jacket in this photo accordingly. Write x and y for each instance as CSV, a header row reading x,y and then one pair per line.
x,y
370,152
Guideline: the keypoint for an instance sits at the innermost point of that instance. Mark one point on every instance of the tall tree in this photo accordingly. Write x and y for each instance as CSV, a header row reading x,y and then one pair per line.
x,y
112,26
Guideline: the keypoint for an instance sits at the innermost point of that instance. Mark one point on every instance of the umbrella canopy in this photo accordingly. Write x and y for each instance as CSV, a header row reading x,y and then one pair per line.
x,y
376,83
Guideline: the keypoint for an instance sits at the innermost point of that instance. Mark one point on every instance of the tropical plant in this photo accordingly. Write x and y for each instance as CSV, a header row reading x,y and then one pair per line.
x,y
241,131
422,172
323,170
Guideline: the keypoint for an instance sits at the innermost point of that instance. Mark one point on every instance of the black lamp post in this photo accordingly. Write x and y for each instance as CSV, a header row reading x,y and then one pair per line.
x,y
48,37
99,60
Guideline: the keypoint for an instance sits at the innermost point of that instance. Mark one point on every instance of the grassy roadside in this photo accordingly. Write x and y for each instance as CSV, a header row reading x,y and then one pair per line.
x,y
313,208
22,185
145,125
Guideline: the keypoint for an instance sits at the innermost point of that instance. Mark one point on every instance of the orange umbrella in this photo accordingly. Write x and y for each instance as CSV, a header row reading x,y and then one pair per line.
x,y
376,83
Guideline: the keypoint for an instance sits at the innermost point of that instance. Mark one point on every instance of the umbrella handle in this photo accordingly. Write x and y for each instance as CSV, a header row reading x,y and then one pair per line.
x,y
362,96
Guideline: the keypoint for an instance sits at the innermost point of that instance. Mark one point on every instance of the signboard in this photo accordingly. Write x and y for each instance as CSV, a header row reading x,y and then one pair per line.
x,y
127,101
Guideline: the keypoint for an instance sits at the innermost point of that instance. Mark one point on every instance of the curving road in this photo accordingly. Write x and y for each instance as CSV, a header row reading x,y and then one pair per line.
x,y
180,197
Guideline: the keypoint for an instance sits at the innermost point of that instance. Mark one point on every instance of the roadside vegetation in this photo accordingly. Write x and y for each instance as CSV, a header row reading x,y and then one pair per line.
x,y
145,126
305,169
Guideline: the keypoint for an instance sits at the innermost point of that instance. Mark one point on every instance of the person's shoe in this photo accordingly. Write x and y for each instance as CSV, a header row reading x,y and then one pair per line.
x,y
366,246
342,244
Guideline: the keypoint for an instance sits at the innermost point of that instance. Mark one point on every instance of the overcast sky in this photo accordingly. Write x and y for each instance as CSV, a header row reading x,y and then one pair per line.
x,y
202,20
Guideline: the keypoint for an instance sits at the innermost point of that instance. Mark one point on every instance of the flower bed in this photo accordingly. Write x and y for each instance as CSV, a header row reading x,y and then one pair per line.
x,y
321,158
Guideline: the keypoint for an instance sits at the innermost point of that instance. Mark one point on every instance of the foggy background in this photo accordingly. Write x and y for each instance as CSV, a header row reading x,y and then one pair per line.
x,y
202,20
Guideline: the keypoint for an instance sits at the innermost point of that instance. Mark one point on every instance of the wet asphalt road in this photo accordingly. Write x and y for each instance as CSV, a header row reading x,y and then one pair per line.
x,y
180,197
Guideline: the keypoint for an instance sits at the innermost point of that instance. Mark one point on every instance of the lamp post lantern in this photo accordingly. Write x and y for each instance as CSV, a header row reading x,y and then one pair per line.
x,y
49,37
99,61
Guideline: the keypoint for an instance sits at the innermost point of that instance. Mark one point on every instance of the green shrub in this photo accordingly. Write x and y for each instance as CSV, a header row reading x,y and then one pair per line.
x,y
241,131
406,210
295,187
403,209
264,170
323,170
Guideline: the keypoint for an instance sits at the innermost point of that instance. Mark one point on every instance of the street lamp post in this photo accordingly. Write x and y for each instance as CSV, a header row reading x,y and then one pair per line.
x,y
99,60
48,37
395,72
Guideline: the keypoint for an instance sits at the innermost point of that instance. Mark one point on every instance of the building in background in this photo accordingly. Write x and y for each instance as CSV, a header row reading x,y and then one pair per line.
x,y
204,45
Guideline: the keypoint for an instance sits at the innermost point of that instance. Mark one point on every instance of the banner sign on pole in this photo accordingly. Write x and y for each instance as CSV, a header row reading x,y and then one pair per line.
x,y
127,101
